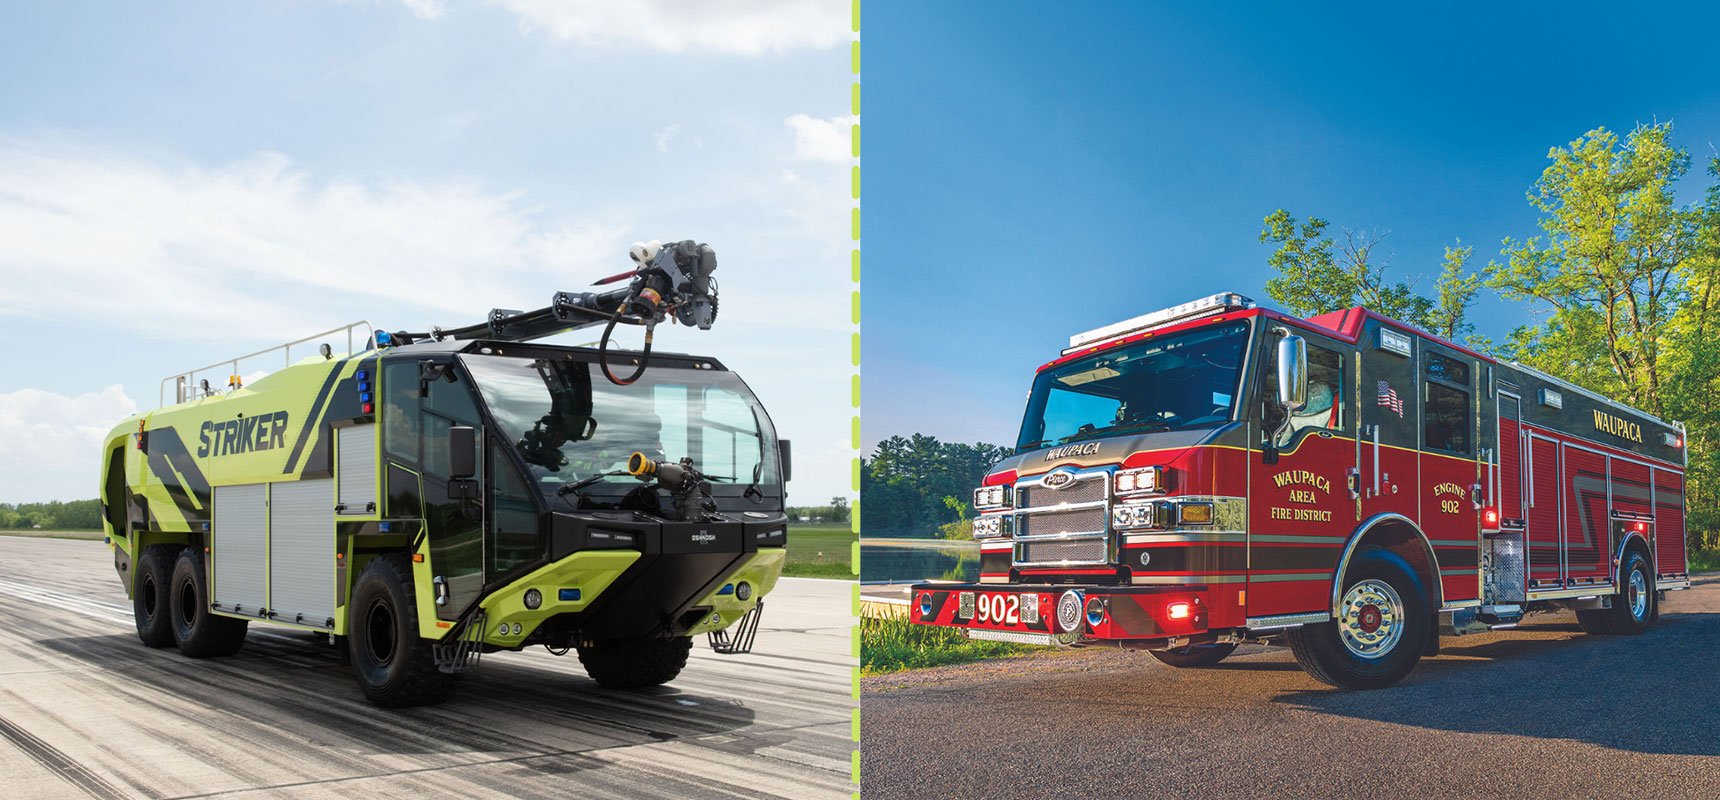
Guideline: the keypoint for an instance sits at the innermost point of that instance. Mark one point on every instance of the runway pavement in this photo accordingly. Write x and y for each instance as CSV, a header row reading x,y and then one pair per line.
x,y
87,711
1541,711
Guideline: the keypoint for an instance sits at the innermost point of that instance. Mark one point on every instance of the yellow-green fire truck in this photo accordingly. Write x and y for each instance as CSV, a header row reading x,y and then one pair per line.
x,y
430,497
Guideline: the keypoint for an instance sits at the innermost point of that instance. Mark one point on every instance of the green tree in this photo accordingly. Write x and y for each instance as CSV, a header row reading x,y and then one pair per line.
x,y
1316,273
1612,256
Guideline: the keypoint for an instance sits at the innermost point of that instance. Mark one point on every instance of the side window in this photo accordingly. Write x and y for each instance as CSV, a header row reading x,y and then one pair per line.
x,y
449,404
1326,395
400,420
1445,414
513,519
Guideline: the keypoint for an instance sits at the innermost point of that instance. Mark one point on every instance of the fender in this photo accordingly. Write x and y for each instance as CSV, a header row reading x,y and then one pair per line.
x,y
1618,558
1356,539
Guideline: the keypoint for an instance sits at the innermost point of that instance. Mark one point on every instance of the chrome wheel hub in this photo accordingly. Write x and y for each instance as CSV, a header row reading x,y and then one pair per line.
x,y
1371,618
1638,594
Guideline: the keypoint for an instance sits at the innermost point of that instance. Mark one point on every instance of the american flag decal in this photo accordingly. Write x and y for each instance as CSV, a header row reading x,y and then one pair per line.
x,y
1389,398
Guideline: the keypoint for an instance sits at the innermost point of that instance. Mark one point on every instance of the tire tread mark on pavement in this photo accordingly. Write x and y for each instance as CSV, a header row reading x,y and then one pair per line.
x,y
58,763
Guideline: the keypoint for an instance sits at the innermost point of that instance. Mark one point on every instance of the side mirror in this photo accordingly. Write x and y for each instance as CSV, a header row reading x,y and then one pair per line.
x,y
786,453
462,451
1293,373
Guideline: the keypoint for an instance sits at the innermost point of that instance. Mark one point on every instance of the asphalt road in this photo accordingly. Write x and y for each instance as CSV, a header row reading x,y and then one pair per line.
x,y
1541,711
87,711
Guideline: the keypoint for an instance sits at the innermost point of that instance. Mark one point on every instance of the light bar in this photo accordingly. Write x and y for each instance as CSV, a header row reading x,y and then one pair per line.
x,y
1216,304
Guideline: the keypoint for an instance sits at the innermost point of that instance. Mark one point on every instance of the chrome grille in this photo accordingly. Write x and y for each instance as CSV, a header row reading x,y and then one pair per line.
x,y
1079,550
1079,492
1085,520
1066,525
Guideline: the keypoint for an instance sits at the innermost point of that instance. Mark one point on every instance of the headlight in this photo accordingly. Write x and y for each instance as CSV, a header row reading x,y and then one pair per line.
x,y
988,526
534,598
1144,479
1136,515
991,497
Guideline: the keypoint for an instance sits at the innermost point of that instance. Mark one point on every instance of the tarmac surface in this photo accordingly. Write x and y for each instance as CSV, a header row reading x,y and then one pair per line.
x,y
1540,711
88,711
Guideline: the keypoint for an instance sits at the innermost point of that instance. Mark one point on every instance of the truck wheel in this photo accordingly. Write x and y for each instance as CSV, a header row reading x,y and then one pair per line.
x,y
636,663
1633,606
1198,655
149,602
199,632
1382,632
395,667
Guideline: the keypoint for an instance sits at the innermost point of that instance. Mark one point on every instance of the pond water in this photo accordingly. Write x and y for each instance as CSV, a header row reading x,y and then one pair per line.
x,y
919,559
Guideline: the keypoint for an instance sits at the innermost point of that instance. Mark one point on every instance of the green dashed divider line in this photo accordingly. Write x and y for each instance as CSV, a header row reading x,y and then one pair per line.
x,y
854,361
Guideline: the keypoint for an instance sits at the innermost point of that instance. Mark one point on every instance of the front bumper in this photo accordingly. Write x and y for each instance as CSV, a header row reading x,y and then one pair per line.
x,y
1028,613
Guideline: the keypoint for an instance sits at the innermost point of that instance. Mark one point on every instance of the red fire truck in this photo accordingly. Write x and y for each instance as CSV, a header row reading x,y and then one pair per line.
x,y
1216,473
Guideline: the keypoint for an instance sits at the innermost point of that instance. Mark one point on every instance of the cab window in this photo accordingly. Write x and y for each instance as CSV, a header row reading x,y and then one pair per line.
x,y
1326,401
1445,410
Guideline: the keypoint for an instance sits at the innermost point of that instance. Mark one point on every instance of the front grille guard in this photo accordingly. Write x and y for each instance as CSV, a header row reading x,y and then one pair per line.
x,y
1034,489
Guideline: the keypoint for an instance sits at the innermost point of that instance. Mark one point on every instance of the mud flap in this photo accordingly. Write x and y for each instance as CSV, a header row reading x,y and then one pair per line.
x,y
1432,648
743,634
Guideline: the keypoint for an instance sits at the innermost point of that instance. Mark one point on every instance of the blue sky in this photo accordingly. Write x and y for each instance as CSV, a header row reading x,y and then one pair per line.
x,y
1033,173
182,182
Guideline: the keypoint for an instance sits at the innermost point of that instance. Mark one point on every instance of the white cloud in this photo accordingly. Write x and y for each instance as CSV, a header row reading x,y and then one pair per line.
x,y
426,9
738,27
665,136
54,441
821,139
259,248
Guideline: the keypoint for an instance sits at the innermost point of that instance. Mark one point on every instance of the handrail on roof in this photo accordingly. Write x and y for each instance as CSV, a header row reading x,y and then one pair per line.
x,y
183,381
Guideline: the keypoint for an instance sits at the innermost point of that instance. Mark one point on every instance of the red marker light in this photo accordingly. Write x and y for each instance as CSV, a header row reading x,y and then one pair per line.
x,y
1490,517
368,408
1179,610
1639,527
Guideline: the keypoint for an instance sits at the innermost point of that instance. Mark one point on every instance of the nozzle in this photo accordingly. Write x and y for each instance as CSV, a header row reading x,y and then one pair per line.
x,y
640,465
672,476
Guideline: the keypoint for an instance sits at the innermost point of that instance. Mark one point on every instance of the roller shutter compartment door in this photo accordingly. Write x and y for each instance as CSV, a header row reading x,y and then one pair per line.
x,y
1544,525
1588,528
238,543
357,455
301,552
1669,522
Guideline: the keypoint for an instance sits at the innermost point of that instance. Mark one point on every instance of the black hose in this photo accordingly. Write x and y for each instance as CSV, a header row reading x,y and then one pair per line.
x,y
603,351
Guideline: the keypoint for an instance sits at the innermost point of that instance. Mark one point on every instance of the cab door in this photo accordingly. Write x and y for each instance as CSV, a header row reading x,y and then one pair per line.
x,y
1301,509
1389,462
1450,477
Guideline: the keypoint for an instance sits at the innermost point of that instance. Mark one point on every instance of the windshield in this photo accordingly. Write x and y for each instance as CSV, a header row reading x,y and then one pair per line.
x,y
1177,382
571,424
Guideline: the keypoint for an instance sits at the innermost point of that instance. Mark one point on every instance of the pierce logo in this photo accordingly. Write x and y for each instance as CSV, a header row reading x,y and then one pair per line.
x,y
1059,479
1072,450
704,537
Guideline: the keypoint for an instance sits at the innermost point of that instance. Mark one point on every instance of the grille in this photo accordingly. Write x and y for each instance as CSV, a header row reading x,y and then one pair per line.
x,y
1076,550
1505,578
1085,520
1078,492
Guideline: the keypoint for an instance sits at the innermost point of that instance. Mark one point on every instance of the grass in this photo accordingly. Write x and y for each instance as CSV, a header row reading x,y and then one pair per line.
x,y
47,534
1704,561
890,643
820,550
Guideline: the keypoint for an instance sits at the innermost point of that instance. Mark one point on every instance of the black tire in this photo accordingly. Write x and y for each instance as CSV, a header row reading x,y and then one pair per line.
x,y
1636,581
1197,655
1594,621
199,632
394,666
636,663
1321,650
150,606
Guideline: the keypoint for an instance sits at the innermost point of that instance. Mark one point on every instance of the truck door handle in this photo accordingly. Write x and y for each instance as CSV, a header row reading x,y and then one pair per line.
x,y
1353,479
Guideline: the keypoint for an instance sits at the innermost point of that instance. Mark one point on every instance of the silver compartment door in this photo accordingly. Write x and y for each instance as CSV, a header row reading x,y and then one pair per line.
x,y
357,453
238,540
301,552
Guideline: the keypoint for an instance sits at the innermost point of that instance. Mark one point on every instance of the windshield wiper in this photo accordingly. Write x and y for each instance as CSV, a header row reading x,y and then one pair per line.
x,y
570,488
